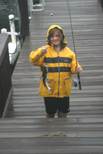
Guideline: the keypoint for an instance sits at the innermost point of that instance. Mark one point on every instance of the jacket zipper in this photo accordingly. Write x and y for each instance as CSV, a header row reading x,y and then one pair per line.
x,y
59,74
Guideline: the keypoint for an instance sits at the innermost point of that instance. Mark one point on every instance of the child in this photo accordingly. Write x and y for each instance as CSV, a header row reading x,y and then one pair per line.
x,y
61,63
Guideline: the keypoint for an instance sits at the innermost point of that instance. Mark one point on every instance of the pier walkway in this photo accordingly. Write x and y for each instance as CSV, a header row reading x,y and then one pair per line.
x,y
25,130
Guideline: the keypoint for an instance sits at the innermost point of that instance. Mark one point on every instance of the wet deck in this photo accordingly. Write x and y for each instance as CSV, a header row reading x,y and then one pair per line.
x,y
25,128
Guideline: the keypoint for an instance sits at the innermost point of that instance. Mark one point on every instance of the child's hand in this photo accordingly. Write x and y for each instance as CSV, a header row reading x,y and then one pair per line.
x,y
44,50
77,69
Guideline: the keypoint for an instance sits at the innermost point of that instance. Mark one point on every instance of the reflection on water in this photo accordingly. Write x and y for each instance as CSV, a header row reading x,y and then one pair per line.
x,y
7,7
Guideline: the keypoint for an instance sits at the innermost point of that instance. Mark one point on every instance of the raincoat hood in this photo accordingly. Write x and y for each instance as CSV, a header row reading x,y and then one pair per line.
x,y
52,27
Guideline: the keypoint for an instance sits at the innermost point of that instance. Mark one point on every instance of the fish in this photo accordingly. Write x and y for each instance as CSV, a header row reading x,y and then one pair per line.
x,y
44,78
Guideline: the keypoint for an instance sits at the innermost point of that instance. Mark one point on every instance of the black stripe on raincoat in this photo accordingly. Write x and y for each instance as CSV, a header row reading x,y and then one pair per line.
x,y
56,69
55,60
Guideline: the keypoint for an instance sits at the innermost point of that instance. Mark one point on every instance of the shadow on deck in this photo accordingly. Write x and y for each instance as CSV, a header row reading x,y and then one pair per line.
x,y
25,126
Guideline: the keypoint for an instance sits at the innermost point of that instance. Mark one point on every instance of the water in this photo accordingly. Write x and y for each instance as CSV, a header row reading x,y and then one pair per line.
x,y
7,7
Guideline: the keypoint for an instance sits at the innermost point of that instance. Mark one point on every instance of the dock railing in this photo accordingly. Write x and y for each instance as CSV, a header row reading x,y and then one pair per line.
x,y
5,74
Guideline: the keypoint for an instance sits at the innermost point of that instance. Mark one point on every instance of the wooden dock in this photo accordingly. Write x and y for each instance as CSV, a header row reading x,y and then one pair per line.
x,y
25,128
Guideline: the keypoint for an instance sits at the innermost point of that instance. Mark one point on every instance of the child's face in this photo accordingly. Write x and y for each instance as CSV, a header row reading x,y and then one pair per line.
x,y
55,39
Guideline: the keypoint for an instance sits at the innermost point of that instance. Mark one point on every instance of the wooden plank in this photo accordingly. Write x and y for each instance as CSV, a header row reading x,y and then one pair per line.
x,y
52,142
53,149
24,128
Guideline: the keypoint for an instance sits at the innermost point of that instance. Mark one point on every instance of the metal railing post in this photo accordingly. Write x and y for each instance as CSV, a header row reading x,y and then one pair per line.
x,y
12,28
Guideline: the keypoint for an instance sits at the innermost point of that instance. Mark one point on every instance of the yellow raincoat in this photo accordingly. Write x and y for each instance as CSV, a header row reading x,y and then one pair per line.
x,y
60,67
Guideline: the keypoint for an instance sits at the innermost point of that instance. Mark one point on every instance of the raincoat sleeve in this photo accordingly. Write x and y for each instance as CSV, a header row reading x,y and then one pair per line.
x,y
36,57
74,64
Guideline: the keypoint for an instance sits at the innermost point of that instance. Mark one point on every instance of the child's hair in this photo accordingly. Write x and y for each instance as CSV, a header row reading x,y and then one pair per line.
x,y
60,34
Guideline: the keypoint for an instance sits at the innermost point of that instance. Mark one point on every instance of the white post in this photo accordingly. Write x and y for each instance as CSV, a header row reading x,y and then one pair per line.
x,y
3,30
12,28
43,4
30,4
